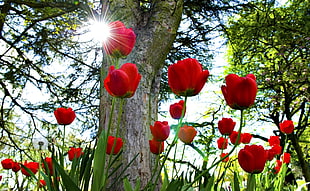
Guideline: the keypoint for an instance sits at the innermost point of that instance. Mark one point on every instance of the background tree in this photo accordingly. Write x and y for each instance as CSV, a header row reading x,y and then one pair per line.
x,y
48,36
37,45
273,43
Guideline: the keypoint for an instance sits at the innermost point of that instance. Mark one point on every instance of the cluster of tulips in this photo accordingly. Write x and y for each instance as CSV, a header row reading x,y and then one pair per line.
x,y
186,78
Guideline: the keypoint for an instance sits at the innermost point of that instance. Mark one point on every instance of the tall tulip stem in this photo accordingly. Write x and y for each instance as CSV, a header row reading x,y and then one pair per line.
x,y
119,117
221,159
174,142
251,182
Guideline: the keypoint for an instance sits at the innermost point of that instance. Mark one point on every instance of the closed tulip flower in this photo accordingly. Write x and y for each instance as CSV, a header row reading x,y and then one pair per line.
x,y
287,127
48,162
233,137
222,143
286,158
226,126
160,130
64,116
187,134
15,167
240,92
75,153
32,166
7,163
270,154
277,149
274,140
252,158
42,183
122,82
118,144
246,138
176,109
223,155
156,147
186,77
278,166
120,41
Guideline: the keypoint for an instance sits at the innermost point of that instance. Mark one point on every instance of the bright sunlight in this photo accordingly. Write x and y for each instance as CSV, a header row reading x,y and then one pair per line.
x,y
99,30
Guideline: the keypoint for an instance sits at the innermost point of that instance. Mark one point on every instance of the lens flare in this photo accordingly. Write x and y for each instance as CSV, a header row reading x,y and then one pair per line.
x,y
100,31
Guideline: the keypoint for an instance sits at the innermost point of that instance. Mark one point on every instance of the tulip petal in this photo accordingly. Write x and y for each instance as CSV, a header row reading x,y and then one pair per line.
x,y
117,83
246,160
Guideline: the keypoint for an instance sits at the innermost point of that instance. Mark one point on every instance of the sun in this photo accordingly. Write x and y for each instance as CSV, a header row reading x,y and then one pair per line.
x,y
99,31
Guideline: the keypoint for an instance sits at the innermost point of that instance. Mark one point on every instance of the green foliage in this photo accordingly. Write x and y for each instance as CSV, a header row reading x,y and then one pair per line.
x,y
41,52
272,42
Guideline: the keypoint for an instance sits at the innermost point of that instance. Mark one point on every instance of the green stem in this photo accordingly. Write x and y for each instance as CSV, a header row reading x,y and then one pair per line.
x,y
220,160
174,157
39,170
251,182
119,117
182,156
111,117
155,168
63,146
197,150
105,170
174,142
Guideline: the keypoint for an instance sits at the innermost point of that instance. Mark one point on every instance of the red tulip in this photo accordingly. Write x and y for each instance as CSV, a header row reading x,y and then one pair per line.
x,y
286,158
156,147
121,40
287,127
42,183
176,109
226,126
122,82
270,154
240,92
160,130
274,140
277,149
278,166
16,166
7,163
74,153
186,77
277,169
222,143
246,138
233,137
49,165
252,158
64,116
223,155
187,134
32,166
117,142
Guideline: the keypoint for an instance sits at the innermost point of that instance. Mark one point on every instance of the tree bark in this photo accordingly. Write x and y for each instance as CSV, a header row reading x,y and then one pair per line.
x,y
155,27
303,164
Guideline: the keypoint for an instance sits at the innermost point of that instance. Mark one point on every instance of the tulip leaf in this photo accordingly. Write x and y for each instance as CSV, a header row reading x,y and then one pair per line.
x,y
165,180
236,182
85,167
175,185
123,170
210,183
99,178
127,185
67,181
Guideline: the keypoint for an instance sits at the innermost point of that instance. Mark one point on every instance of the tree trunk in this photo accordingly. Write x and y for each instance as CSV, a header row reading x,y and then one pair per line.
x,y
303,164
155,27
